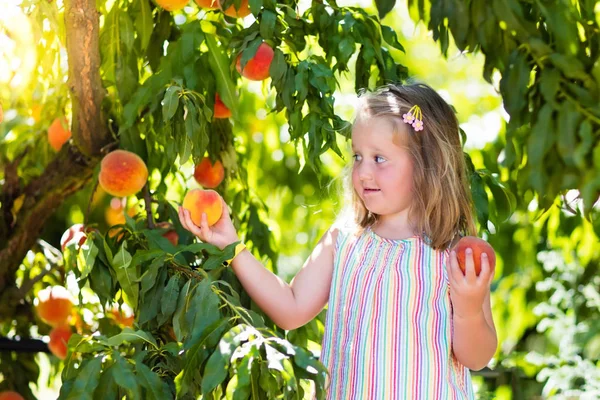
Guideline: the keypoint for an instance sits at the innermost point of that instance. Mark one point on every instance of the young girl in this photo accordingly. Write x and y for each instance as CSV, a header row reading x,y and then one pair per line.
x,y
403,321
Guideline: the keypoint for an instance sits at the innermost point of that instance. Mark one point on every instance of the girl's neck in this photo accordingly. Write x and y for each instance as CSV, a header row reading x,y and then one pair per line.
x,y
393,231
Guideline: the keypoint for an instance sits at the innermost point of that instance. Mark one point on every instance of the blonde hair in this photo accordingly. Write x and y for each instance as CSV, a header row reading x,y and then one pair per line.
x,y
442,206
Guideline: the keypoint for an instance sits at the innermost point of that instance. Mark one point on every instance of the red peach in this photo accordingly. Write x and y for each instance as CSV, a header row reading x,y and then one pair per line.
x,y
54,306
198,201
58,133
122,173
221,110
478,246
75,234
10,395
171,235
209,175
257,68
59,337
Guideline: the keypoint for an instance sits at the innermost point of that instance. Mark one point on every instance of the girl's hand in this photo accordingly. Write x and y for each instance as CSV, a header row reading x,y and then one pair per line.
x,y
468,291
221,234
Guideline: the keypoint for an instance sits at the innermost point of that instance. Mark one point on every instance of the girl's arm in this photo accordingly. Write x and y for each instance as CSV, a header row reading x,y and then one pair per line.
x,y
474,339
288,305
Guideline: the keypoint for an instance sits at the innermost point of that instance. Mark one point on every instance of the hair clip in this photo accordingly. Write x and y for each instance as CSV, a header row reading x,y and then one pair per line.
x,y
414,117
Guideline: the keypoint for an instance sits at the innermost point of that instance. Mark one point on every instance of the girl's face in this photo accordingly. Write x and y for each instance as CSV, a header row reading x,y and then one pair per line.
x,y
382,173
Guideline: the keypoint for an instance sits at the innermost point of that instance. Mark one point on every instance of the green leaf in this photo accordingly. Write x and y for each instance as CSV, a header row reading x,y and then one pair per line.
x,y
143,23
219,64
124,376
129,335
480,199
215,371
86,258
541,138
170,102
127,276
107,387
149,276
194,357
169,299
268,21
156,389
568,120
203,310
87,380
101,282
278,68
384,7
180,327
390,37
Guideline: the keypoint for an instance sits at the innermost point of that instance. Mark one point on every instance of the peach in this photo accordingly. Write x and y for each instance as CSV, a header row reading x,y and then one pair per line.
x,y
10,395
58,133
172,5
75,234
114,214
478,246
122,317
59,337
221,110
241,13
122,173
199,201
54,306
171,235
209,175
209,4
257,68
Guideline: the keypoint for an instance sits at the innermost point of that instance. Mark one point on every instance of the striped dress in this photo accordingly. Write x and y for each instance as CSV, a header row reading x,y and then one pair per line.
x,y
388,328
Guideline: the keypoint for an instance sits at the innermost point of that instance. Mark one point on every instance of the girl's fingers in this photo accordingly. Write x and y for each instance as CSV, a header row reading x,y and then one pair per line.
x,y
454,272
470,266
485,269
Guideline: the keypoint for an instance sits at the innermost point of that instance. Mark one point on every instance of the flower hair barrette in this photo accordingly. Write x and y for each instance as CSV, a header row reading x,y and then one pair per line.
x,y
414,117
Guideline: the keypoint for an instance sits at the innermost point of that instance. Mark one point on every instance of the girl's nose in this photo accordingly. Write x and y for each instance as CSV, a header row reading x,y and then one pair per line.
x,y
364,172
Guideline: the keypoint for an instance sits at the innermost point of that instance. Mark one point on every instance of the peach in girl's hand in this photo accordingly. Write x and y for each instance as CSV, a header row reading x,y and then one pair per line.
x,y
478,246
198,201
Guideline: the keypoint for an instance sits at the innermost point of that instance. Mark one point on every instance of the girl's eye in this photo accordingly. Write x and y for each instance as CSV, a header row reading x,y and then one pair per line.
x,y
379,159
357,157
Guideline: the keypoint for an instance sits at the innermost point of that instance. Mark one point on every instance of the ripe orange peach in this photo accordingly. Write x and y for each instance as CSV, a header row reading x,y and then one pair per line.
x,y
75,234
478,246
172,5
199,201
221,110
241,13
208,4
54,306
58,133
257,68
10,395
171,235
121,317
209,175
59,337
122,173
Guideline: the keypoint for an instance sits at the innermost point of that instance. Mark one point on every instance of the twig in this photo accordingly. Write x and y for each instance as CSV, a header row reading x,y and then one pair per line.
x,y
148,205
87,213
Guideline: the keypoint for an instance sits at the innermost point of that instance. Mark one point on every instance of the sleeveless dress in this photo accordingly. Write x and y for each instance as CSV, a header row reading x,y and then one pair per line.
x,y
389,323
